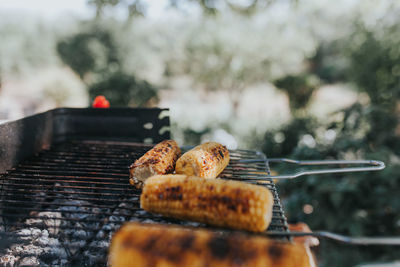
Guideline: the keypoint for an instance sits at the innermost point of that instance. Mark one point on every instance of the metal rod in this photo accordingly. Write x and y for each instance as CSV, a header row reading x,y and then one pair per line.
x,y
375,165
68,173
75,181
69,196
57,194
65,186
63,166
382,240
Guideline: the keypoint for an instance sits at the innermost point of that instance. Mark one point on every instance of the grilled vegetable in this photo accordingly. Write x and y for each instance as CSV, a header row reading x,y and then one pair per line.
x,y
160,159
143,245
207,160
217,202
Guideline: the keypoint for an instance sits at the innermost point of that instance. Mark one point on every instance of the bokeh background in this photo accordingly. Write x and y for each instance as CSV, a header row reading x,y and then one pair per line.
x,y
312,79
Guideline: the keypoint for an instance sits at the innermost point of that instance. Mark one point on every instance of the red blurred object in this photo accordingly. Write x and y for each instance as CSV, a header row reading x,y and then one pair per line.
x,y
100,102
306,240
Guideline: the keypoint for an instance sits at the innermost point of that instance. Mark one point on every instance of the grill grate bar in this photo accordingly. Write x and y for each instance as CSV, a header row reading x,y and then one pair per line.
x,y
65,186
102,213
67,173
67,196
51,203
70,167
99,213
92,180
58,193
42,225
52,188
74,179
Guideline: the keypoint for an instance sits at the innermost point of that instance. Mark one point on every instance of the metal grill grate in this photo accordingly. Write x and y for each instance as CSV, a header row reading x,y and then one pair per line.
x,y
62,205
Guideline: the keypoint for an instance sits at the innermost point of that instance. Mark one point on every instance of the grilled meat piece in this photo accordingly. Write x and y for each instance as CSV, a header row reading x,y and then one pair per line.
x,y
160,159
155,245
216,202
207,160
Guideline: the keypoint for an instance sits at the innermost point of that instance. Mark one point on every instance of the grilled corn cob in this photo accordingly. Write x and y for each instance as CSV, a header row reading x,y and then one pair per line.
x,y
216,202
143,245
160,159
207,160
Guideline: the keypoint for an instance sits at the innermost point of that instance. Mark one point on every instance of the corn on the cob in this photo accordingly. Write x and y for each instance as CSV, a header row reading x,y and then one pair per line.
x,y
207,160
160,159
216,202
143,245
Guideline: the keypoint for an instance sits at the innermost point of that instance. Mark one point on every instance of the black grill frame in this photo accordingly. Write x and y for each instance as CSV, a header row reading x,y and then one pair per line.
x,y
89,180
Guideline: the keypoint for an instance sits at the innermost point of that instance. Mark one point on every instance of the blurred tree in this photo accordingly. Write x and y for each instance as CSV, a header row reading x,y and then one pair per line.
x,y
94,56
299,89
281,142
209,7
135,7
243,7
216,59
88,53
329,63
377,52
192,137
339,203
215,66
125,90
375,69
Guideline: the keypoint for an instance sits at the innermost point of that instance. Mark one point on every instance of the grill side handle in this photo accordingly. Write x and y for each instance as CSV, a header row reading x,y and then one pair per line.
x,y
372,165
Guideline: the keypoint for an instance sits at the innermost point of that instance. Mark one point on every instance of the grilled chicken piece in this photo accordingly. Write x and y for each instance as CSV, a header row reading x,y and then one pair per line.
x,y
160,159
143,245
207,160
216,202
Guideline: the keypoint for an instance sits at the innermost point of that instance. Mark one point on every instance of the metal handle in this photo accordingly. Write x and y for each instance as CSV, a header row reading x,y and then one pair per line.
x,y
375,165
391,241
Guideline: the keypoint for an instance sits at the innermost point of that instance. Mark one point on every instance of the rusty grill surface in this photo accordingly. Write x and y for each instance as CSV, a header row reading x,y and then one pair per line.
x,y
61,206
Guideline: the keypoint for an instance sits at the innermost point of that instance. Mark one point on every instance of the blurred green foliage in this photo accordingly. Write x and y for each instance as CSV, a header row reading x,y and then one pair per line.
x,y
95,57
209,7
357,204
299,89
134,7
89,52
375,64
124,90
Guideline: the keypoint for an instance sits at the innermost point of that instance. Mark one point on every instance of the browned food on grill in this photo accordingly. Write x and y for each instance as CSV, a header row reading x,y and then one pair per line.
x,y
160,159
216,202
155,245
207,160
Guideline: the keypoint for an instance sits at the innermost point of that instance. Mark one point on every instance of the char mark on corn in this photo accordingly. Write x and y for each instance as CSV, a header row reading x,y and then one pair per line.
x,y
207,160
160,245
161,159
216,202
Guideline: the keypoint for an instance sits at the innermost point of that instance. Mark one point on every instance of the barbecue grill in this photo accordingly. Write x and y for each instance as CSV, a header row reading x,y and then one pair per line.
x,y
64,186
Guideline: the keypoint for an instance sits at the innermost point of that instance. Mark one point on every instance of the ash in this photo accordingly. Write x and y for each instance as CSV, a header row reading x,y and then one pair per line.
x,y
76,234
52,238
30,247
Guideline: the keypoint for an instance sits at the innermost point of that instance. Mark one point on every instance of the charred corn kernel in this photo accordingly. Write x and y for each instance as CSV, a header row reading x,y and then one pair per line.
x,y
160,159
216,202
155,245
207,160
